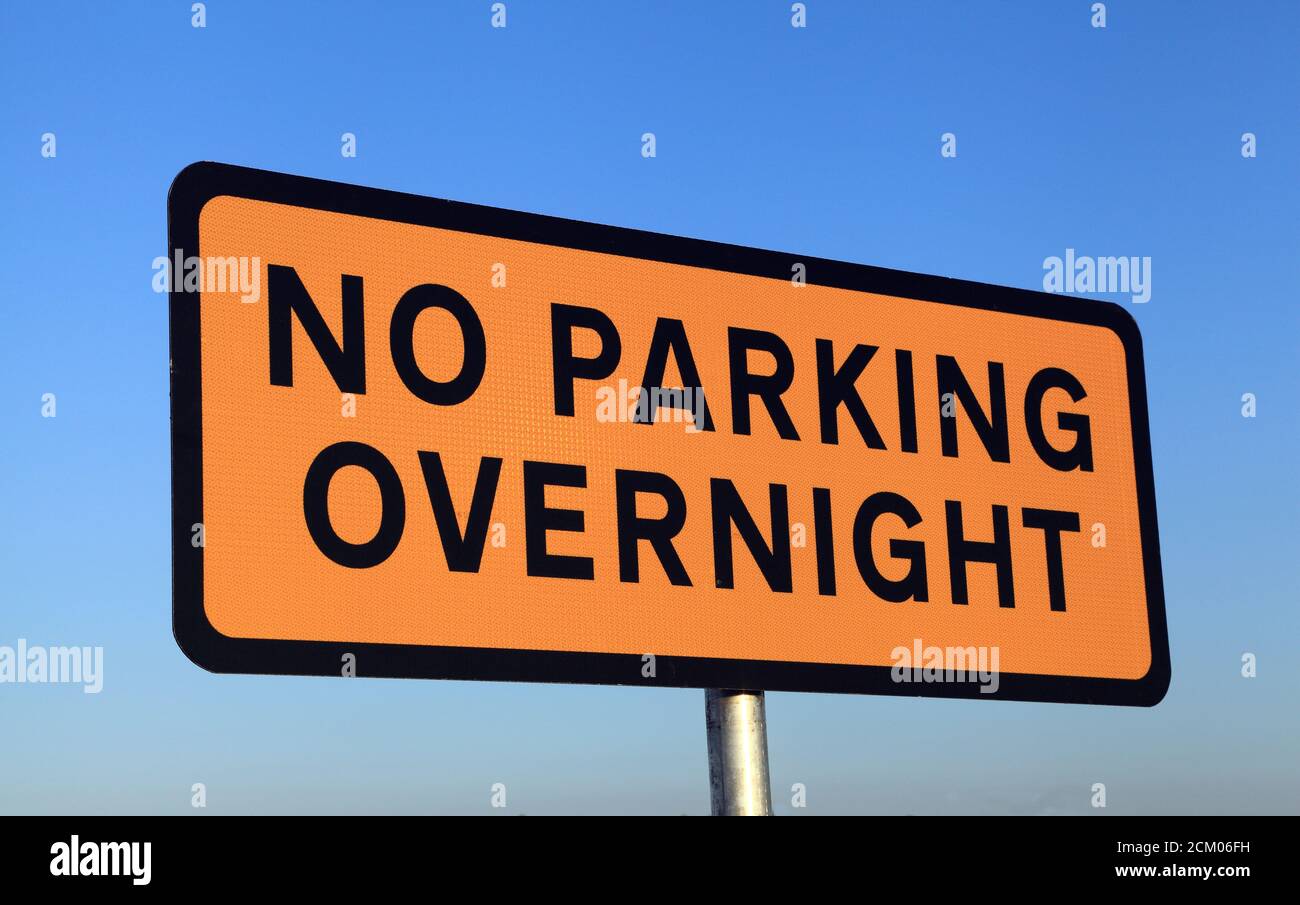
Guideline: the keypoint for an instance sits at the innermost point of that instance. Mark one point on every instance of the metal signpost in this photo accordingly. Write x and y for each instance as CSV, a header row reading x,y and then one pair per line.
x,y
736,725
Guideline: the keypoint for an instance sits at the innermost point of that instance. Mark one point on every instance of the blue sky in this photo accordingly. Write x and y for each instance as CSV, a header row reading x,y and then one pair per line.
x,y
824,141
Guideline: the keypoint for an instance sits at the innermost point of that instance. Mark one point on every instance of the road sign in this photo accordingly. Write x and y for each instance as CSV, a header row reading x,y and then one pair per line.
x,y
419,438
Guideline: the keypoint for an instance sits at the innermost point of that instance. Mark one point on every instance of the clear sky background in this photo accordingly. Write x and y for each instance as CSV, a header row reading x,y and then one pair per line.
x,y
823,141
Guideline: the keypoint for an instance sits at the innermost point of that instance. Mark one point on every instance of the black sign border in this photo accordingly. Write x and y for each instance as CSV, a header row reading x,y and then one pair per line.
x,y
200,182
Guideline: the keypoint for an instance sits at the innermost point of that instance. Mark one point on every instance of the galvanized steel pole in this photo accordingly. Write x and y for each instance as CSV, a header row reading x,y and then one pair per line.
x,y
736,725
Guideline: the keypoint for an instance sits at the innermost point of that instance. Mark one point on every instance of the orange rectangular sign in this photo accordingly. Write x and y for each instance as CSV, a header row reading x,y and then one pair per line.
x,y
419,438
